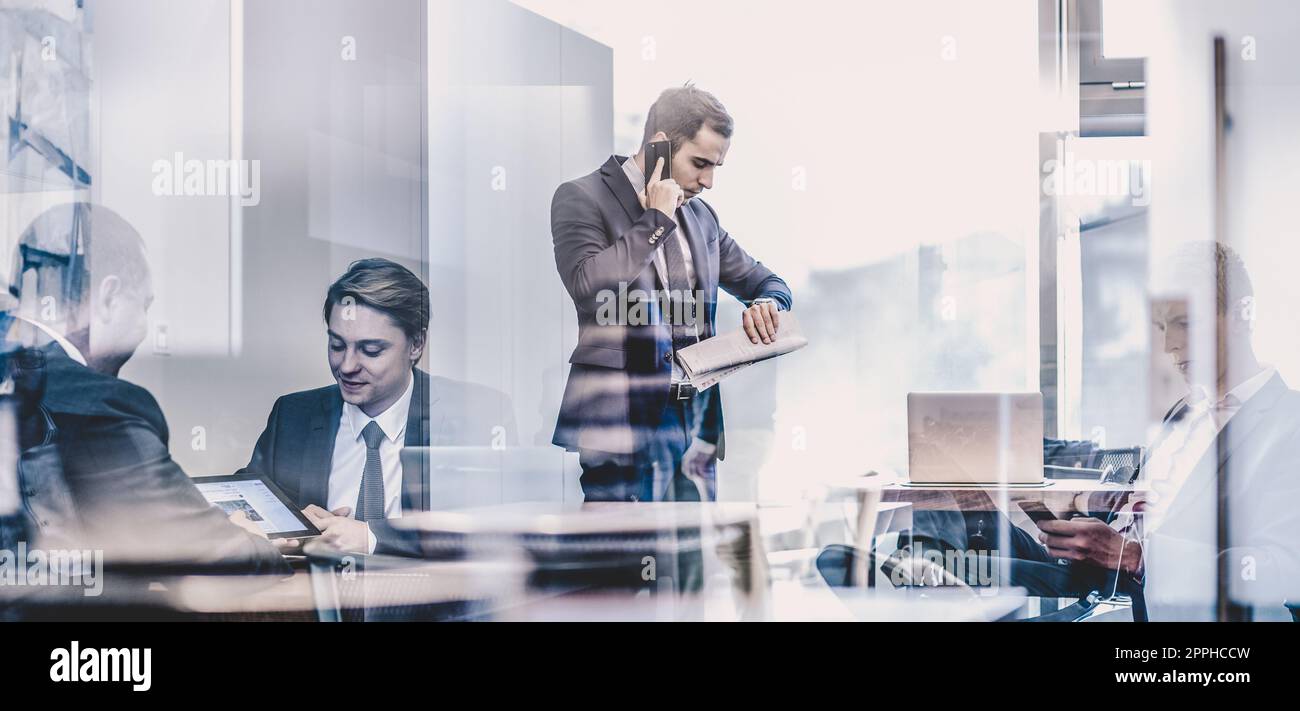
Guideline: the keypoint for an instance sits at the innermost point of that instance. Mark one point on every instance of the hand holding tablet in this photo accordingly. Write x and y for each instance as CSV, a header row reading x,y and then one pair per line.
x,y
261,503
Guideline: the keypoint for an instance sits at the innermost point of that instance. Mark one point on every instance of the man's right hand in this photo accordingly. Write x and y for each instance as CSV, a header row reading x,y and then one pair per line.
x,y
286,546
239,518
663,195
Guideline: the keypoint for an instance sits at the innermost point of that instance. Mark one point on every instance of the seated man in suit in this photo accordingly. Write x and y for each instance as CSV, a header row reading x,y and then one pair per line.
x,y
1239,422
336,450
98,473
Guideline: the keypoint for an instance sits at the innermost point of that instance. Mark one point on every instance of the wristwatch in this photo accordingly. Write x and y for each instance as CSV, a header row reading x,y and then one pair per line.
x,y
765,300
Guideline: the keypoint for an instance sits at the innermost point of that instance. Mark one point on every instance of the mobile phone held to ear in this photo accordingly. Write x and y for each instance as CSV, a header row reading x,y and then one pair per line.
x,y
653,152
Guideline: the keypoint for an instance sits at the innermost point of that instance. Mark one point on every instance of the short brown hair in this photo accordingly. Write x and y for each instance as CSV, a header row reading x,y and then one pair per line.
x,y
1197,263
679,112
386,286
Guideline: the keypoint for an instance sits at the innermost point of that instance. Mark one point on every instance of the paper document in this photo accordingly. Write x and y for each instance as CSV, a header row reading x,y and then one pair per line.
x,y
710,361
708,380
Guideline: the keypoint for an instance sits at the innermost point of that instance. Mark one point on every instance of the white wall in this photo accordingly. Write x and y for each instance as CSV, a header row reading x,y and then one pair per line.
x,y
339,146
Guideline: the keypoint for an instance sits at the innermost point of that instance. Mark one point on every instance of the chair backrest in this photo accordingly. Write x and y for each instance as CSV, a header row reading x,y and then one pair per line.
x,y
1116,458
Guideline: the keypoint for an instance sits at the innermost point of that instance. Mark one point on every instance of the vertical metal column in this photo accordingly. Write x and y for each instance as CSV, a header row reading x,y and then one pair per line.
x,y
1225,609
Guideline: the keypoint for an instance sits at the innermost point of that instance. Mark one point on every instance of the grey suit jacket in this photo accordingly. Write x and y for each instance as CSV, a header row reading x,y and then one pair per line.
x,y
1258,456
620,371
297,447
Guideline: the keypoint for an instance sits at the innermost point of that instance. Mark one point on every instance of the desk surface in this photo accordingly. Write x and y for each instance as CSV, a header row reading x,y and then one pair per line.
x,y
577,518
1058,495
777,521
787,601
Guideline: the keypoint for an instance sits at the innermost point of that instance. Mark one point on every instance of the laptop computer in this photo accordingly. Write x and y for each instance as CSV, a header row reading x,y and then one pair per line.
x,y
975,438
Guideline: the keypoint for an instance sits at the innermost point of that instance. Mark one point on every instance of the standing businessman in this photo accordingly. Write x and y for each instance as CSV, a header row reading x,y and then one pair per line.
x,y
639,427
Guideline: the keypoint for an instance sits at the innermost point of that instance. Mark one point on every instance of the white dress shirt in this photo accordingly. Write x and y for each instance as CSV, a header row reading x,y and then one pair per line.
x,y
349,460
1175,457
72,351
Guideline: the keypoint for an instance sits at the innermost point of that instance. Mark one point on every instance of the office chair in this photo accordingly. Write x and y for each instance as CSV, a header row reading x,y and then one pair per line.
x,y
1119,465
1116,458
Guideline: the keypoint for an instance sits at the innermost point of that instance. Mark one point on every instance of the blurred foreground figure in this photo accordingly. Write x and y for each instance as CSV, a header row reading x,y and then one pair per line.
x,y
1238,423
95,469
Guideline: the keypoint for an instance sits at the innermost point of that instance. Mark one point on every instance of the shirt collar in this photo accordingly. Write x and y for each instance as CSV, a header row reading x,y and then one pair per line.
x,y
634,174
1252,386
1237,396
72,351
392,420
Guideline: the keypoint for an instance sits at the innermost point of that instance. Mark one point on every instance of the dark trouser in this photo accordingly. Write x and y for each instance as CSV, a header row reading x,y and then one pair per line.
x,y
992,552
655,472
1018,559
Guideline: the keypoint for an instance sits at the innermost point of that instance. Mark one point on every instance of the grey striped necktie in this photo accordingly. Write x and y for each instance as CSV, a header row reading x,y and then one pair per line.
x,y
679,286
370,500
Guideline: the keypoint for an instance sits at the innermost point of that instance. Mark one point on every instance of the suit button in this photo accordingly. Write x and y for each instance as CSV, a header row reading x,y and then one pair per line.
x,y
668,357
659,232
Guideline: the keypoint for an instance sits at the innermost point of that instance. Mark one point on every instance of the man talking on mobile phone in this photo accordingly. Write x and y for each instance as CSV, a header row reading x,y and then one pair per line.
x,y
643,260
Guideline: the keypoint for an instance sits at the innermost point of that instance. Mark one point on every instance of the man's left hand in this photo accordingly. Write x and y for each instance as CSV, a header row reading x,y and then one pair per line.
x,y
1090,540
339,529
761,321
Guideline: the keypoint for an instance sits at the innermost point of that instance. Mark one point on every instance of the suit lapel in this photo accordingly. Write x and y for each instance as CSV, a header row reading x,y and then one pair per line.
x,y
616,180
1239,429
318,452
704,276
1167,427
415,484
705,273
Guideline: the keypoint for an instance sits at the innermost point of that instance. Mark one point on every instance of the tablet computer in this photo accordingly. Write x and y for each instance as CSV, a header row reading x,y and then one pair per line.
x,y
262,501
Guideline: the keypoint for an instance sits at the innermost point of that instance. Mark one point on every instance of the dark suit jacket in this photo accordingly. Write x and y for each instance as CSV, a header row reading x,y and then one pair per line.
x,y
130,497
619,377
297,447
